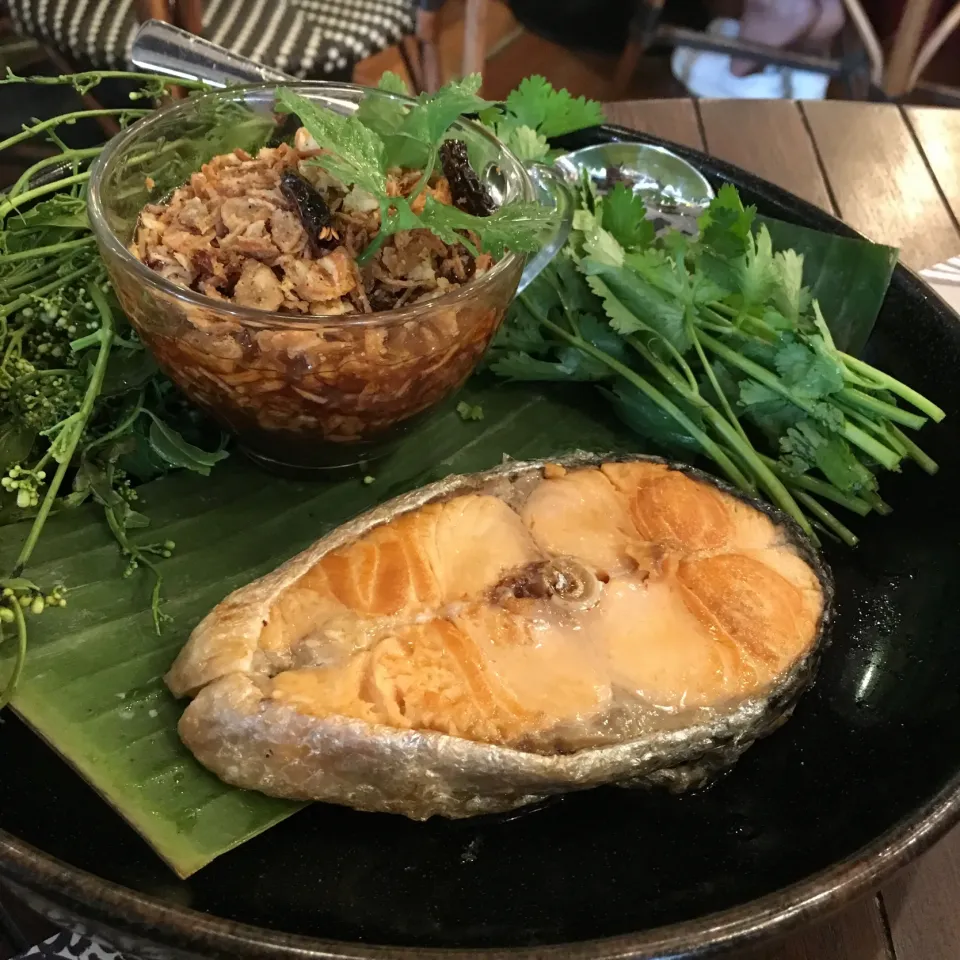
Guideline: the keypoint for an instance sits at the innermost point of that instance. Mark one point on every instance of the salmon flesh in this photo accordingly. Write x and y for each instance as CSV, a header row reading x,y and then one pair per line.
x,y
494,639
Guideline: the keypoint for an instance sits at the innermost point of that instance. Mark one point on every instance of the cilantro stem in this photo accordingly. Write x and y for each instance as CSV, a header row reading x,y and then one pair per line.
x,y
880,452
425,176
914,452
94,385
29,195
736,318
738,442
877,503
821,488
867,403
710,447
372,248
614,305
68,118
11,685
828,519
880,429
767,478
712,377
883,380
38,252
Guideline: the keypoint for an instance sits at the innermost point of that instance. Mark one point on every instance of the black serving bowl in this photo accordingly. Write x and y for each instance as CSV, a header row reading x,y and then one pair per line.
x,y
863,778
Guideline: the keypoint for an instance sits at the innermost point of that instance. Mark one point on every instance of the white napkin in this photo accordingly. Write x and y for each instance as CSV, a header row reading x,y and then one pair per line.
x,y
944,278
706,73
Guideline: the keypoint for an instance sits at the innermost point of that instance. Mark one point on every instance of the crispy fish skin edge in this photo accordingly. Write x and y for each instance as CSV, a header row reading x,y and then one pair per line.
x,y
258,744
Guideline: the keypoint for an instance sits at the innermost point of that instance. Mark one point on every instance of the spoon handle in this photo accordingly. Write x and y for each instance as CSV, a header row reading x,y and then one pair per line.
x,y
160,47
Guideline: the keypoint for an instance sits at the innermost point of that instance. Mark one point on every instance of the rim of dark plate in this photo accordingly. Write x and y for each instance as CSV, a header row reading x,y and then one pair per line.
x,y
758,920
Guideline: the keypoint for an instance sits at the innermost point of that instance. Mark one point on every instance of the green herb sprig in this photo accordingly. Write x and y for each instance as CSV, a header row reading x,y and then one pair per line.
x,y
535,112
84,412
715,346
383,135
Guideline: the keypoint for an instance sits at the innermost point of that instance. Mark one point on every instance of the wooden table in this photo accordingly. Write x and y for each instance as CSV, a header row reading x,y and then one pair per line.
x,y
893,174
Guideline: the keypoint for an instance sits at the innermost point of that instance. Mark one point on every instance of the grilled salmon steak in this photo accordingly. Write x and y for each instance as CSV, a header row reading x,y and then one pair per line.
x,y
491,640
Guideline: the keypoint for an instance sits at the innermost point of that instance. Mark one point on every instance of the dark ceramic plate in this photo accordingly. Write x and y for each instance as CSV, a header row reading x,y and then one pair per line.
x,y
863,777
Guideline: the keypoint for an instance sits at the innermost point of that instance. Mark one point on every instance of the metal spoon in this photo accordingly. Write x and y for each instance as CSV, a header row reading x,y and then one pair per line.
x,y
160,47
673,190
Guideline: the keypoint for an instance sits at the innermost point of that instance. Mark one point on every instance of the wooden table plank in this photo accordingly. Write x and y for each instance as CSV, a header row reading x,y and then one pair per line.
x,y
768,138
922,905
856,934
674,120
880,181
938,131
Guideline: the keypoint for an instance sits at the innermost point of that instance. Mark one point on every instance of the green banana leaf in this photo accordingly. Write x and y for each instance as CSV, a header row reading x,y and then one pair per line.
x,y
848,276
93,686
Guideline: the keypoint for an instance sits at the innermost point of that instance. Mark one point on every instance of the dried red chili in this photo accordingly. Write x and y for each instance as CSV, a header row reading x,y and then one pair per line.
x,y
311,208
469,192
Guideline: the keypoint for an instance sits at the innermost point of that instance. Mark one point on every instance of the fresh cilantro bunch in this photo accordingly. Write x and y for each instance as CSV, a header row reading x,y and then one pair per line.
x,y
716,346
535,112
386,134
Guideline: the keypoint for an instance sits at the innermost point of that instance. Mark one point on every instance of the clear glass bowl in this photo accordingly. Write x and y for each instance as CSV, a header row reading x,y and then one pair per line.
x,y
298,392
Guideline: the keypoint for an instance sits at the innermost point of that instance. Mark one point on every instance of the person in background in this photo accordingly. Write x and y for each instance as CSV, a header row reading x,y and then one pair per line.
x,y
810,26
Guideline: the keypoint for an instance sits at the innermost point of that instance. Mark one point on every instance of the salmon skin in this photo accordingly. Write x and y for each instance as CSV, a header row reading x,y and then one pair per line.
x,y
494,639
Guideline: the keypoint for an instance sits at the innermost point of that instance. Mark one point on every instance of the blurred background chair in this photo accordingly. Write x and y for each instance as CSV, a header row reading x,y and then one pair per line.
x,y
861,67
911,55
317,39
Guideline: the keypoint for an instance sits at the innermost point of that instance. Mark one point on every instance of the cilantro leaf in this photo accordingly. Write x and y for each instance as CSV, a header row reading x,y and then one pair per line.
x,y
668,272
551,113
599,244
777,321
726,224
756,275
634,305
624,215
520,333
603,337
575,294
767,410
790,296
393,83
807,445
753,393
396,215
384,115
428,119
808,369
524,141
357,153
725,380
515,226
